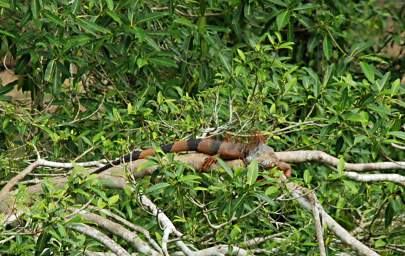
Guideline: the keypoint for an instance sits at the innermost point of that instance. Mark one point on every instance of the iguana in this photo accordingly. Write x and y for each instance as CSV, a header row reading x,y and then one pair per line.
x,y
258,151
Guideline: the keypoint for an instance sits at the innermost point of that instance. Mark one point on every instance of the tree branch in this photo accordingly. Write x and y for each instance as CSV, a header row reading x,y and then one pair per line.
x,y
119,230
322,157
102,238
299,194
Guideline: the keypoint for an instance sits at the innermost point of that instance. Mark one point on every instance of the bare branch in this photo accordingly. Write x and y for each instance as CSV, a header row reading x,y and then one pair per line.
x,y
316,206
102,238
134,227
322,157
165,238
393,177
398,146
299,193
119,230
6,189
40,162
258,240
219,250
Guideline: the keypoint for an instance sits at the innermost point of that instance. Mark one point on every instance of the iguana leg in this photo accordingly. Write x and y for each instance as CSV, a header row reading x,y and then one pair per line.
x,y
208,162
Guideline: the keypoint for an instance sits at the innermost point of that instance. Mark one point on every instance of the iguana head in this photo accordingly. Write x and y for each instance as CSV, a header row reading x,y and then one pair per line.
x,y
266,157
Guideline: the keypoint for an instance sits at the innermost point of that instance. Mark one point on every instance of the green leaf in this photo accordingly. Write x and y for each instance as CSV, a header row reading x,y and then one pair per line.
x,y
35,7
291,83
272,190
114,16
61,230
253,172
6,33
100,203
361,117
6,89
114,199
307,176
388,215
286,45
327,47
49,71
225,166
110,4
162,61
398,134
241,55
91,27
225,61
140,62
157,187
278,2
327,75
395,87
4,4
379,243
368,71
341,166
42,242
76,41
282,19
185,22
308,6
190,178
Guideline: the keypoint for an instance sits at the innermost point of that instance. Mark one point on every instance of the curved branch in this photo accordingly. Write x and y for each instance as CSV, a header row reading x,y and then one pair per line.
x,y
40,162
119,230
134,227
99,236
299,193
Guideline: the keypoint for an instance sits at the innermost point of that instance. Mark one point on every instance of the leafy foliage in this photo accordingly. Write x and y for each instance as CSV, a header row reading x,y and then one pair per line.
x,y
108,76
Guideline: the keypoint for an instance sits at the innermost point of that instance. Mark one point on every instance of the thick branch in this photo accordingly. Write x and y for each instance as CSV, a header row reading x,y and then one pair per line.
x,y
6,189
102,238
322,157
395,178
134,227
316,206
299,194
119,230
40,162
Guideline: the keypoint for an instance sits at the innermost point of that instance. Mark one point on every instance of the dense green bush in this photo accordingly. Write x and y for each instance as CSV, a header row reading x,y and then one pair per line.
x,y
108,76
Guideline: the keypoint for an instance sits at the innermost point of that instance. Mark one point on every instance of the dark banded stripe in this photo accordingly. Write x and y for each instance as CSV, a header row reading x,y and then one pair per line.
x,y
192,145
215,145
167,148
135,155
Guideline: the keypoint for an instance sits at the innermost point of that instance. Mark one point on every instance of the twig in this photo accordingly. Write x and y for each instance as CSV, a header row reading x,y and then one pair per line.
x,y
102,238
398,146
258,240
233,218
219,250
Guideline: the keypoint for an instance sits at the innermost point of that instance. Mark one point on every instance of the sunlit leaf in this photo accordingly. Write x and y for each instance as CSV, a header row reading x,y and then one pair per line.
x,y
253,172
368,71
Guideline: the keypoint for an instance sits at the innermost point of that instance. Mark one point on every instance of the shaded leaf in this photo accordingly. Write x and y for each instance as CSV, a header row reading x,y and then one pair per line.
x,y
282,19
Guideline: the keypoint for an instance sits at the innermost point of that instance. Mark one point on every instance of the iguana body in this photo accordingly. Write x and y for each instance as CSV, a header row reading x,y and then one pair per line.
x,y
260,152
